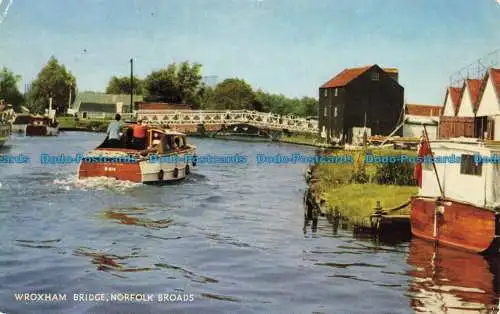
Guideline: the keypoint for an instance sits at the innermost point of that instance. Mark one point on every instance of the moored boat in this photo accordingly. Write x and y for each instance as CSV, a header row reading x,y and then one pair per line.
x,y
459,194
168,157
5,127
4,132
20,123
42,126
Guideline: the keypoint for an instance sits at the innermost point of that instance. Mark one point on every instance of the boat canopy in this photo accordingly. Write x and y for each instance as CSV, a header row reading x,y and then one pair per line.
x,y
468,172
161,140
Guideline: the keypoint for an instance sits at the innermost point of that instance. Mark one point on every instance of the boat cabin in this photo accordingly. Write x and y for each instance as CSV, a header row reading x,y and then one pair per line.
x,y
42,121
468,170
157,140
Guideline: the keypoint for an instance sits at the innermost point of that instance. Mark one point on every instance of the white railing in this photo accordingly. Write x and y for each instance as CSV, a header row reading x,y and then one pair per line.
x,y
228,117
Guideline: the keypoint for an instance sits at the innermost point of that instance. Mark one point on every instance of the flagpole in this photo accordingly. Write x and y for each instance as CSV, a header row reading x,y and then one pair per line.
x,y
433,163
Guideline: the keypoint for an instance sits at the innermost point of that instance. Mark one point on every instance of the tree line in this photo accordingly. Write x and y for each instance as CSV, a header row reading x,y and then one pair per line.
x,y
180,83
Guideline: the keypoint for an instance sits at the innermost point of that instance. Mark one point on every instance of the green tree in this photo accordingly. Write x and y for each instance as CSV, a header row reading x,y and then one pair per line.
x,y
234,94
280,104
308,107
176,84
121,85
52,81
8,88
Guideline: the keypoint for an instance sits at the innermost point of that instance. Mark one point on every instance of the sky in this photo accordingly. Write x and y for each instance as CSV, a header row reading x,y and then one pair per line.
x,y
281,46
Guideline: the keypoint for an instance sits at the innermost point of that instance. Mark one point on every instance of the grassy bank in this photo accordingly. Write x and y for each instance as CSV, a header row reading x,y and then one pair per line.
x,y
95,125
354,188
301,139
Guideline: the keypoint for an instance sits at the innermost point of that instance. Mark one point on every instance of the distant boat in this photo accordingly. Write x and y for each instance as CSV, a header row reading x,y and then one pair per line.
x,y
5,130
20,123
459,196
167,160
42,126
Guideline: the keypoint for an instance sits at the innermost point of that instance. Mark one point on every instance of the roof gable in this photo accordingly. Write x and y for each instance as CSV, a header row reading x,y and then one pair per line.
x,y
350,74
474,91
345,77
495,80
455,95
97,107
466,107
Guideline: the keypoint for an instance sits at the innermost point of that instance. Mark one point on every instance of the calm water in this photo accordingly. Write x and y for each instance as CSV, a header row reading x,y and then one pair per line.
x,y
233,236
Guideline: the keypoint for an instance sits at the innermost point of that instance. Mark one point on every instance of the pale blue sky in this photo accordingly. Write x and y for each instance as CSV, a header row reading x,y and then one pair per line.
x,y
282,46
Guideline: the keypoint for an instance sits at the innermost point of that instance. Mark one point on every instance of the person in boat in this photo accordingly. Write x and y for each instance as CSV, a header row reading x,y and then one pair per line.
x,y
114,137
139,135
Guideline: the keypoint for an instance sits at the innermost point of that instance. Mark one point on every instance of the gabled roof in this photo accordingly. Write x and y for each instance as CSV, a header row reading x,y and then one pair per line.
x,y
350,74
495,79
423,110
456,97
474,87
96,107
94,99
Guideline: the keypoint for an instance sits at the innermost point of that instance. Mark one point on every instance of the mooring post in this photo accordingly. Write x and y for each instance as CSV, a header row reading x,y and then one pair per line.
x,y
375,218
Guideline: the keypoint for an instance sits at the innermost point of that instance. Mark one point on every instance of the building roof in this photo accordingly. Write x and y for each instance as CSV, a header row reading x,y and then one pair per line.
x,y
474,87
350,74
163,106
423,110
456,97
97,107
94,101
495,79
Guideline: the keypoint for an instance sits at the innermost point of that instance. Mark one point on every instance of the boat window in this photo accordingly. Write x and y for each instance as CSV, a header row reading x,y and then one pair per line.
x,y
469,166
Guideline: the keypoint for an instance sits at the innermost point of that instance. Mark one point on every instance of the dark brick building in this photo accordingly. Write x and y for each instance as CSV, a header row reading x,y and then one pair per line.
x,y
357,94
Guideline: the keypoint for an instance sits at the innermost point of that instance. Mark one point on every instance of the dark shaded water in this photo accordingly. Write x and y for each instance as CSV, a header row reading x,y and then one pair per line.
x,y
233,236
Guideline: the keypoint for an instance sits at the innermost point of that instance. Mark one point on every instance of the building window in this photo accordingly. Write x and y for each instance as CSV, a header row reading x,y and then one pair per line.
x,y
375,76
335,112
469,166
336,92
326,112
325,93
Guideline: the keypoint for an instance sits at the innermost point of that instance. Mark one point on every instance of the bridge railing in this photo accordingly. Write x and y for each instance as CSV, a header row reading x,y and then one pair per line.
x,y
228,117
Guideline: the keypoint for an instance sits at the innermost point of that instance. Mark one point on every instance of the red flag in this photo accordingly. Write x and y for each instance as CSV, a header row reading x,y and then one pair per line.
x,y
423,151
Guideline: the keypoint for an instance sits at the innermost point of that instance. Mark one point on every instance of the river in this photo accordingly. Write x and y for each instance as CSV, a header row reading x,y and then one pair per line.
x,y
232,238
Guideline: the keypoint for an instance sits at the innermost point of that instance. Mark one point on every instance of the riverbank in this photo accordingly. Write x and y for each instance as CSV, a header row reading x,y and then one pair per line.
x,y
352,190
85,125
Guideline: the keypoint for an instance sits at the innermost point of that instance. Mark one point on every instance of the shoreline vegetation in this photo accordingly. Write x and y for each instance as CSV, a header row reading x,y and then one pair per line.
x,y
351,191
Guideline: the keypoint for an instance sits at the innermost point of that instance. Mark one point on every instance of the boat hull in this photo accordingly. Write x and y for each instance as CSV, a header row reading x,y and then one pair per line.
x,y
141,171
453,223
41,130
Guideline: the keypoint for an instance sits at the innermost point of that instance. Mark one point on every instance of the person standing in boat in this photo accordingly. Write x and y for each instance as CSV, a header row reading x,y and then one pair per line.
x,y
139,135
114,137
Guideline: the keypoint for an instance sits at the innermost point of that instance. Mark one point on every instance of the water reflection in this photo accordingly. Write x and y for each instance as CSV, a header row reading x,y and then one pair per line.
x,y
447,280
127,216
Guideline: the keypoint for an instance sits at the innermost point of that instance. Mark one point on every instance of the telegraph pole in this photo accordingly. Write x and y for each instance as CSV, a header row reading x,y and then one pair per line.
x,y
131,85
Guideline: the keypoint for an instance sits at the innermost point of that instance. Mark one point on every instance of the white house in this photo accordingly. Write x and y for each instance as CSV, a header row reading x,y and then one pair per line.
x,y
470,98
488,110
416,116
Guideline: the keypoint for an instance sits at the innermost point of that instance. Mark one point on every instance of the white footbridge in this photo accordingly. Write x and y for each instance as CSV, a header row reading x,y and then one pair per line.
x,y
258,119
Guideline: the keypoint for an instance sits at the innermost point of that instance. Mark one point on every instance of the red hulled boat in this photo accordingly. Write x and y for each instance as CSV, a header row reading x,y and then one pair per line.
x,y
168,158
459,194
42,126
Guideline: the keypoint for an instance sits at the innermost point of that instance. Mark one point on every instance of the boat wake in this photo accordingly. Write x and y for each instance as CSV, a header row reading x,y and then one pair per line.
x,y
95,183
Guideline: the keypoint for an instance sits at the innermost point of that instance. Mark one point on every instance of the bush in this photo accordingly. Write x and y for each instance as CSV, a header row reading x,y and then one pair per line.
x,y
399,173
